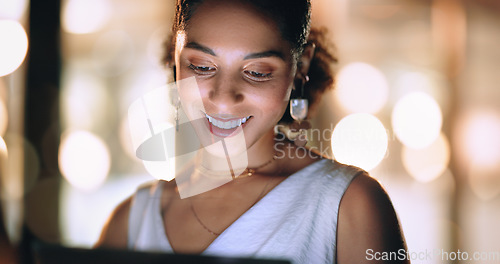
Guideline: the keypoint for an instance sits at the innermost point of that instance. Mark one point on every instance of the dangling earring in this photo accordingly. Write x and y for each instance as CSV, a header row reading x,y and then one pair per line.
x,y
298,110
175,101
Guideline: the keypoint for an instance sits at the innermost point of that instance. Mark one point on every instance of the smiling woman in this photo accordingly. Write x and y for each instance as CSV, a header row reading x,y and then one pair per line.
x,y
247,73
236,65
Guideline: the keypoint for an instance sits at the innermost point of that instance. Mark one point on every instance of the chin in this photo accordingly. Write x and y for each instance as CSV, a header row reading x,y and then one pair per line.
x,y
232,145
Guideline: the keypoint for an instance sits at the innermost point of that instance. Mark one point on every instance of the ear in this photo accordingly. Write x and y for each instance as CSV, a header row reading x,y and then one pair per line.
x,y
305,60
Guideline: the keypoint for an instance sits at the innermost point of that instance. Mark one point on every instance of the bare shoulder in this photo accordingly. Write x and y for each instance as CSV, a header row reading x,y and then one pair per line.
x,y
115,231
368,224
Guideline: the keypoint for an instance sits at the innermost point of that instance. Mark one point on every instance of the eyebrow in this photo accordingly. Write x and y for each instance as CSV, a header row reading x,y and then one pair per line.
x,y
256,55
265,54
197,46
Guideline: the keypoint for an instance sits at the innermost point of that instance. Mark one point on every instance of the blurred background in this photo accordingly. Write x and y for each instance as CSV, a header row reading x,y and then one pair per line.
x,y
416,104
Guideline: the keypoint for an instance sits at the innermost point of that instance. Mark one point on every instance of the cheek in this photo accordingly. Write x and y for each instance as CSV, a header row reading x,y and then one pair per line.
x,y
273,101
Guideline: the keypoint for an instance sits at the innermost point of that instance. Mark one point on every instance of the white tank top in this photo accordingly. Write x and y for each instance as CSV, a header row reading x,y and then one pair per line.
x,y
297,220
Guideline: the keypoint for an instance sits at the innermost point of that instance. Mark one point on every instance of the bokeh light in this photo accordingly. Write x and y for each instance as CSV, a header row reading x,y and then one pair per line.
x,y
4,154
360,140
479,137
428,163
361,88
84,100
13,46
417,120
84,159
3,146
23,158
429,82
4,118
13,184
85,16
12,9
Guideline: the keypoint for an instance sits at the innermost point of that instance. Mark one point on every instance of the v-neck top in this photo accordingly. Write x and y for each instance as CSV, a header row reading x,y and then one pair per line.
x,y
296,220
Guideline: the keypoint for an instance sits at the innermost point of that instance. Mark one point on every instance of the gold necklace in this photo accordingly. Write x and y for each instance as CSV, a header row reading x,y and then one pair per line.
x,y
249,172
201,223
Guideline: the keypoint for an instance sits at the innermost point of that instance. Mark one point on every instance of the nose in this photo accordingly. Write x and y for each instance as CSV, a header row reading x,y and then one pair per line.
x,y
225,92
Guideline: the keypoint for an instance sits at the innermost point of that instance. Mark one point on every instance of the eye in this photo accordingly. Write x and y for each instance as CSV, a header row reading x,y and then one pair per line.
x,y
258,76
201,69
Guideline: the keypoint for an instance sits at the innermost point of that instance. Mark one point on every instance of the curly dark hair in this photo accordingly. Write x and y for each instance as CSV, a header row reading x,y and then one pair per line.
x,y
293,20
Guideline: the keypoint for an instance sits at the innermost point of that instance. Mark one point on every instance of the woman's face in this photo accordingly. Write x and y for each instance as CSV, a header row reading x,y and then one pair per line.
x,y
243,68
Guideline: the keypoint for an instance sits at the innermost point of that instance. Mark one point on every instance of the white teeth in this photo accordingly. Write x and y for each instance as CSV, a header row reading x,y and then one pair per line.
x,y
228,124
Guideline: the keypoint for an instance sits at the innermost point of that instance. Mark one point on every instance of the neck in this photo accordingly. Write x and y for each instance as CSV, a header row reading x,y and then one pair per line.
x,y
262,151
259,153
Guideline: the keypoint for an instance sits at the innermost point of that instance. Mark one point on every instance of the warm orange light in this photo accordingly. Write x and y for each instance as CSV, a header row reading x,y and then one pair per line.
x,y
478,143
84,100
361,88
428,163
13,46
85,16
360,140
84,159
4,155
13,152
12,184
417,120
480,138
12,9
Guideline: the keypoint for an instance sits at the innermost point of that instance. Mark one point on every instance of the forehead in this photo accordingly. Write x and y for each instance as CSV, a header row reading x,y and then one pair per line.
x,y
223,25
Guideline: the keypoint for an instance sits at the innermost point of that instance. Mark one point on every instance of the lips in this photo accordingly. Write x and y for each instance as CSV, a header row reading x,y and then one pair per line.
x,y
228,124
